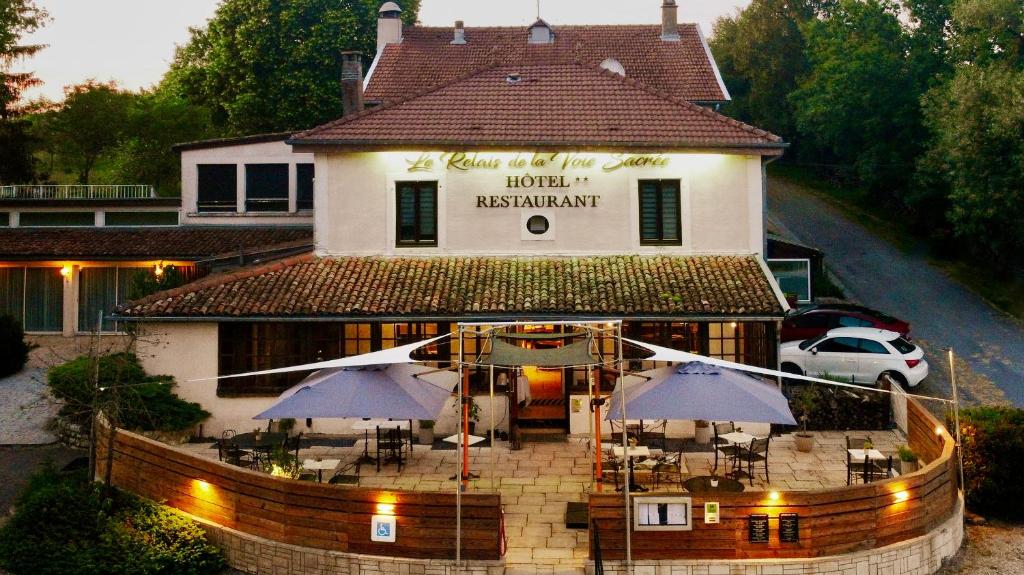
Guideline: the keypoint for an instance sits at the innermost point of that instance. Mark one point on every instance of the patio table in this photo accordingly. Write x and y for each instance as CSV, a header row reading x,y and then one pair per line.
x,y
738,438
320,466
702,484
267,440
631,452
872,454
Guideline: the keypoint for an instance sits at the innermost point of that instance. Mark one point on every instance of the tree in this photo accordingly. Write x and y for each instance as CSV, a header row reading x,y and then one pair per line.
x,y
858,105
17,18
761,54
273,65
89,123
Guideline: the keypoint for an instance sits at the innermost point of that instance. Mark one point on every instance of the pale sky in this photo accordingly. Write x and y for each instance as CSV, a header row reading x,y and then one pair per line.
x,y
132,41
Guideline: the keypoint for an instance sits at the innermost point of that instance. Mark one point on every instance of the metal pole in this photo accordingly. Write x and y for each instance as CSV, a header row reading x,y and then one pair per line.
x,y
956,422
625,453
590,427
458,470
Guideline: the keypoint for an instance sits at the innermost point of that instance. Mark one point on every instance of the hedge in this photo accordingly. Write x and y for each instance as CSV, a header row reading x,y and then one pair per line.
x,y
993,445
12,342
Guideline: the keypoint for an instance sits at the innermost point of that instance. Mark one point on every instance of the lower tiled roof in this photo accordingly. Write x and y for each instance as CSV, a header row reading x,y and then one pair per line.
x,y
484,287
180,243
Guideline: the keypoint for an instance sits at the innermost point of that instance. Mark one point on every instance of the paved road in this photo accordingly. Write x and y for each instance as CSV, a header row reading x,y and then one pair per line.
x,y
942,312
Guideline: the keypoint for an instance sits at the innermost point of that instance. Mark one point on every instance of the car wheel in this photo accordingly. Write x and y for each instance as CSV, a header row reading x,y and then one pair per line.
x,y
794,369
897,377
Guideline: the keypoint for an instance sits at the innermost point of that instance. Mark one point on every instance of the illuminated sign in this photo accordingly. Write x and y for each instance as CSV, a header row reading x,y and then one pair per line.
x,y
383,528
560,161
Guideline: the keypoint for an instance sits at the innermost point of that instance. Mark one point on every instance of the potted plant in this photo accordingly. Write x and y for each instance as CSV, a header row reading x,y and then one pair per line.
x,y
257,434
426,435
702,432
908,460
805,401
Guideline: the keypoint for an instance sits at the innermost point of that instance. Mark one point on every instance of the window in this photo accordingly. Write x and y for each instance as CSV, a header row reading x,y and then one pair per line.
x,y
141,218
57,219
218,188
793,277
266,187
726,341
305,174
839,345
5,219
811,320
417,213
44,299
659,213
12,293
872,346
903,346
100,290
850,321
537,225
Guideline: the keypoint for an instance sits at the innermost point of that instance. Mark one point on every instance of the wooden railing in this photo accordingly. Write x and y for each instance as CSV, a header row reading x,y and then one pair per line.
x,y
831,521
322,516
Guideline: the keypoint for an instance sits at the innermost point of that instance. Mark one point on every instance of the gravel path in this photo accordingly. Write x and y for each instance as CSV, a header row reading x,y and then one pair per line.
x,y
942,312
996,548
26,407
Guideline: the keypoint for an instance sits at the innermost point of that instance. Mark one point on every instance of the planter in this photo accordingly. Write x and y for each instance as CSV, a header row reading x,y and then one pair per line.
x,y
426,436
907,467
804,442
702,435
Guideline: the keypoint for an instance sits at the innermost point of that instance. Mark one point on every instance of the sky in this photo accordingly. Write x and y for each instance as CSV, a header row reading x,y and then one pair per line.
x,y
132,41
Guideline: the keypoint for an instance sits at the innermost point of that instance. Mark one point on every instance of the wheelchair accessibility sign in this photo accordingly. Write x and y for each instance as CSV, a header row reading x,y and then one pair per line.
x,y
382,528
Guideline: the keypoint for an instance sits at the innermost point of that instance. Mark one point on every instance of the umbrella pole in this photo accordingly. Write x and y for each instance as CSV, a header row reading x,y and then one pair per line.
x,y
491,436
625,454
597,433
458,466
465,431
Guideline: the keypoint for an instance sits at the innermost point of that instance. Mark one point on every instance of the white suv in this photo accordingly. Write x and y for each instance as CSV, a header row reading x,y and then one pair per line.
x,y
858,355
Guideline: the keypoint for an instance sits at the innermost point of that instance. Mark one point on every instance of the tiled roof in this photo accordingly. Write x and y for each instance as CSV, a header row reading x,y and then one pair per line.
x,y
426,57
606,286
183,243
549,106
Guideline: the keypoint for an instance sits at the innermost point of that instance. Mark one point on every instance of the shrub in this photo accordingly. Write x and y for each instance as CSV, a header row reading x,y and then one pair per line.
x,y
993,452
828,408
12,341
127,393
65,524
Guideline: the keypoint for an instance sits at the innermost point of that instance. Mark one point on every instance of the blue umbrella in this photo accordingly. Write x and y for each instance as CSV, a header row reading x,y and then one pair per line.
x,y
397,391
698,390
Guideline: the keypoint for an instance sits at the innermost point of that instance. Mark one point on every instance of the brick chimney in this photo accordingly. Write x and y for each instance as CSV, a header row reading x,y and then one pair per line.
x,y
460,33
351,83
669,21
389,25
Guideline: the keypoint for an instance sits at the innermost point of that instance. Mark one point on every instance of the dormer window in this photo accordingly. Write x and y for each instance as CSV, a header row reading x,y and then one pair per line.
x,y
541,33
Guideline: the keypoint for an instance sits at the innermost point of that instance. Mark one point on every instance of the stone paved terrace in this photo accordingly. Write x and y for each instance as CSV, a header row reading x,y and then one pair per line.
x,y
537,481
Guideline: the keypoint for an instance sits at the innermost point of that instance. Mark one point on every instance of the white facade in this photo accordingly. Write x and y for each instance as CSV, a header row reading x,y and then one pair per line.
x,y
592,206
240,155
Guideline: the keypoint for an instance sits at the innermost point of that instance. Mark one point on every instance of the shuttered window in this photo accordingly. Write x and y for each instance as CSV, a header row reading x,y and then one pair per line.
x,y
417,213
660,213
217,187
266,187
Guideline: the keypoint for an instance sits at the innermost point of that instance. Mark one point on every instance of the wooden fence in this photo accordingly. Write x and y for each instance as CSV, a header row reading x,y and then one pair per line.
x,y
323,516
831,521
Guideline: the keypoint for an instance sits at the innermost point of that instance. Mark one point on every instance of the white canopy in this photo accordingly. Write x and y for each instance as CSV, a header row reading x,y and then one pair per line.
x,y
400,354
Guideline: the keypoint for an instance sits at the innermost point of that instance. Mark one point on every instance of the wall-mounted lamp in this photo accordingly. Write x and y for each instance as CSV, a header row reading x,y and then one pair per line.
x,y
901,496
385,509
65,272
939,430
774,496
158,269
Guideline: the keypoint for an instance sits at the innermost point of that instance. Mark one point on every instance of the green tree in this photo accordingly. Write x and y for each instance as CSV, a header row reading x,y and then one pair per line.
x,y
859,104
17,18
976,151
761,54
89,123
271,65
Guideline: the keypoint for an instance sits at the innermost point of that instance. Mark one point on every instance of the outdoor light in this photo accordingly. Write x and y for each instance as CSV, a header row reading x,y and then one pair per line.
x,y
158,269
774,496
902,496
203,485
385,509
65,272
938,430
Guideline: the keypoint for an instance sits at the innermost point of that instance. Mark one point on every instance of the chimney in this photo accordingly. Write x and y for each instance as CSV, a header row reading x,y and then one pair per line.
x,y
669,21
351,83
460,33
389,25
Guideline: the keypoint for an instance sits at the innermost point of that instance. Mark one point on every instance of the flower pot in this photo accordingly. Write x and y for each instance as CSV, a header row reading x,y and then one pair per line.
x,y
702,435
426,436
907,467
804,442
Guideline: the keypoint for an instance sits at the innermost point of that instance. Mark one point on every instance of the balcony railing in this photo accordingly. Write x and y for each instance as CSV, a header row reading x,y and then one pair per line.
x,y
77,192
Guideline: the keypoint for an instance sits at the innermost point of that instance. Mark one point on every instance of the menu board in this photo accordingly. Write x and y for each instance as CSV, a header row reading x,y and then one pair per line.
x,y
757,528
789,527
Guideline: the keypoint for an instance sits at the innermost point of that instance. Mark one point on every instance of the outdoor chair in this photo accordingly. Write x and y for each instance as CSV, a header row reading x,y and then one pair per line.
x,y
654,432
390,447
348,475
723,446
671,467
857,469
756,451
291,446
229,452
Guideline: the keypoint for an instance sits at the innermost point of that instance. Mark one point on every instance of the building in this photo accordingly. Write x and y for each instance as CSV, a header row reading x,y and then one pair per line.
x,y
494,174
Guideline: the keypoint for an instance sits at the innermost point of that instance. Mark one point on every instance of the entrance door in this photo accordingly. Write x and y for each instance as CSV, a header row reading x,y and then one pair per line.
x,y
545,406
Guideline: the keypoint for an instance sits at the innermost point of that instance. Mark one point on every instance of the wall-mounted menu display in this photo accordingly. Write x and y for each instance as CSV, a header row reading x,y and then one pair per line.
x,y
662,513
789,527
757,528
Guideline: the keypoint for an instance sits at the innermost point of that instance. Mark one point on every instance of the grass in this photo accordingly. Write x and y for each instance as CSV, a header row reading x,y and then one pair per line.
x,y
1005,293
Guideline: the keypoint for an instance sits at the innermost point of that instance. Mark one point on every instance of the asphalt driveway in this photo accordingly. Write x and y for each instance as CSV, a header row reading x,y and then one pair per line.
x,y
988,343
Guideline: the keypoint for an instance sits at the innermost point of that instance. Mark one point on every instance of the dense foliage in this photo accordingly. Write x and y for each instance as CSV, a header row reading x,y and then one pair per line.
x,y
993,444
125,393
66,525
829,408
144,283
17,18
273,65
915,102
12,342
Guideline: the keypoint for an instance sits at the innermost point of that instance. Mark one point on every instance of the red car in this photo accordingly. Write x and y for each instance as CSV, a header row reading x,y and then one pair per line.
x,y
815,320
